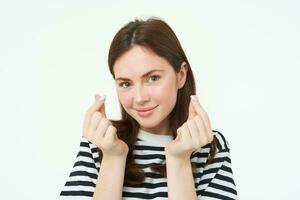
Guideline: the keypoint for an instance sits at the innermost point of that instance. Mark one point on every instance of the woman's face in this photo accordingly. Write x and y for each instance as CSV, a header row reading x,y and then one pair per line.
x,y
146,81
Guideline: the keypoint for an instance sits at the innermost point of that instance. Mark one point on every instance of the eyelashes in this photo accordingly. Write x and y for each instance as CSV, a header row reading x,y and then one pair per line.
x,y
122,83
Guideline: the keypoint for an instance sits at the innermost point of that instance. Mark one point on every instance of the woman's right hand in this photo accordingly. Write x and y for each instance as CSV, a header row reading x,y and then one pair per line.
x,y
100,131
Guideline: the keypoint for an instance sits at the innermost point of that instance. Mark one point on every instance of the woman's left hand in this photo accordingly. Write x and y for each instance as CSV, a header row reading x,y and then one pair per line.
x,y
193,134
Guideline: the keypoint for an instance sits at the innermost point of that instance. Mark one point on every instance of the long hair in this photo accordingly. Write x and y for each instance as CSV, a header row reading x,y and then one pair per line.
x,y
156,35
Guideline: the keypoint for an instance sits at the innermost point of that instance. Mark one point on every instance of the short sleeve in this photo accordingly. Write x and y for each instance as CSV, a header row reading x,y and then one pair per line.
x,y
215,180
82,179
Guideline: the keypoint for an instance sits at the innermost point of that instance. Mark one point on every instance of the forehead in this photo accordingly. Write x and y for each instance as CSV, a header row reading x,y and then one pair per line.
x,y
138,61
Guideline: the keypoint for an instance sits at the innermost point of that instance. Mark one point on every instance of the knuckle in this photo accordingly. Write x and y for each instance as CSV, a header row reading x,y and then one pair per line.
x,y
92,114
104,120
89,130
205,114
189,122
87,113
97,114
112,128
197,118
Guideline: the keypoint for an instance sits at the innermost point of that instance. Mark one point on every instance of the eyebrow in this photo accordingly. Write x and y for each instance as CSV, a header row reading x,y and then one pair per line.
x,y
126,79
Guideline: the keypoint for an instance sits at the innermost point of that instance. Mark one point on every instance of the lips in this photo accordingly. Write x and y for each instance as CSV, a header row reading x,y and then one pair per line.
x,y
145,109
146,112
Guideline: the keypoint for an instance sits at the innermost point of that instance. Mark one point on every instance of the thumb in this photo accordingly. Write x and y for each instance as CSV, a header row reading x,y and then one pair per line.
x,y
100,102
178,134
192,111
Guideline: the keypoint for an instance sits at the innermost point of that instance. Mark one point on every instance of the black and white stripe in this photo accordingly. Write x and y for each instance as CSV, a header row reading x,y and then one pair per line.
x,y
214,181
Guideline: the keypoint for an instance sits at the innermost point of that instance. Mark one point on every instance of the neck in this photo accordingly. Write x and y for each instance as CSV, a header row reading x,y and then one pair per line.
x,y
162,129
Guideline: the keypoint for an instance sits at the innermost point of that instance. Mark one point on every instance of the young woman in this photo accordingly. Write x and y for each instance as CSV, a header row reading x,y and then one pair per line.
x,y
163,147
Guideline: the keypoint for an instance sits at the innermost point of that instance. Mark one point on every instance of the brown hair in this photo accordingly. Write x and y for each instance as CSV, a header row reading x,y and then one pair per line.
x,y
156,35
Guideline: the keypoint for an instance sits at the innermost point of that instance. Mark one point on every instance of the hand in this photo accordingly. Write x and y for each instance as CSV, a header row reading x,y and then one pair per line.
x,y
193,134
100,131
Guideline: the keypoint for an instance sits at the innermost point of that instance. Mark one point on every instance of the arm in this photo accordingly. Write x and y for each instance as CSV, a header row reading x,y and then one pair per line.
x,y
85,179
82,179
216,180
110,179
180,179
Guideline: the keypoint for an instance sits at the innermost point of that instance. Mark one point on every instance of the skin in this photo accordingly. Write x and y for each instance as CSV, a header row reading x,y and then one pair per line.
x,y
99,130
149,91
192,135
139,92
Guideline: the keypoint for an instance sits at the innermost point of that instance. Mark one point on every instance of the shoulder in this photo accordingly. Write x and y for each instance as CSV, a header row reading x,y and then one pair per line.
x,y
220,140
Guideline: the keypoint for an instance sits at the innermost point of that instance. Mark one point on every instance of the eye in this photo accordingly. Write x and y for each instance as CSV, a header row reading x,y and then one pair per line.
x,y
122,83
157,77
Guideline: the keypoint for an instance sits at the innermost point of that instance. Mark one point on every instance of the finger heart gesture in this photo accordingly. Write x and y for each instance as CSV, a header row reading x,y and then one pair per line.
x,y
193,134
100,131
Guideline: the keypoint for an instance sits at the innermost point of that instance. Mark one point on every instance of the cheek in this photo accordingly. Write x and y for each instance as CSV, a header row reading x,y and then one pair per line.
x,y
164,92
158,94
125,99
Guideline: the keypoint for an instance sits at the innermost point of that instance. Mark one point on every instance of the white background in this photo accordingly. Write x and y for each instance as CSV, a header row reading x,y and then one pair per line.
x,y
53,58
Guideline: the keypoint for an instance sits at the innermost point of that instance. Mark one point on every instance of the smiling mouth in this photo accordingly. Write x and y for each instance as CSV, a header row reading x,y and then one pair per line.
x,y
145,113
147,109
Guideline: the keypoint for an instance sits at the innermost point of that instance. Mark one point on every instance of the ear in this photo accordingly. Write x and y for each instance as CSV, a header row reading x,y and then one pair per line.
x,y
181,75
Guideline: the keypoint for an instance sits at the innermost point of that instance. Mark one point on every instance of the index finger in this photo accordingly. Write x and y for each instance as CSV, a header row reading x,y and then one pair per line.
x,y
96,107
200,111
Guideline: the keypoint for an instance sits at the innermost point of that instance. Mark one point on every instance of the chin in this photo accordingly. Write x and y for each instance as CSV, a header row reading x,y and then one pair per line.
x,y
146,122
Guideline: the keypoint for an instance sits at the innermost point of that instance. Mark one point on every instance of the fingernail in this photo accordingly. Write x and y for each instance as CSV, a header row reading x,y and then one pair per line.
x,y
103,97
97,94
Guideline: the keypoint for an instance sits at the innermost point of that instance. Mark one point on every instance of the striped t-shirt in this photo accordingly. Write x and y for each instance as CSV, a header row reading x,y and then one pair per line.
x,y
212,181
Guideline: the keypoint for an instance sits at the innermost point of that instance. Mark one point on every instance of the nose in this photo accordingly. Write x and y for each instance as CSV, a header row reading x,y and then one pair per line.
x,y
141,95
